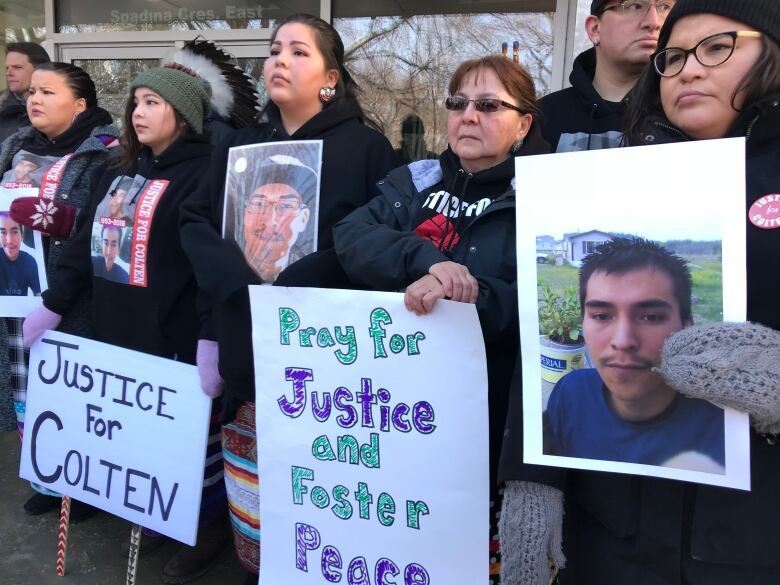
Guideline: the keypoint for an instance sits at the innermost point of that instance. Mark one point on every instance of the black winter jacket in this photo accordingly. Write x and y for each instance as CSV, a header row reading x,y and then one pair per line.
x,y
577,118
13,114
378,247
354,157
626,529
160,318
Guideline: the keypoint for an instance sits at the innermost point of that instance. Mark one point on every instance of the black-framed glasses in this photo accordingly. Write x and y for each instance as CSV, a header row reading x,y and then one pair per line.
x,y
282,208
487,105
711,51
638,9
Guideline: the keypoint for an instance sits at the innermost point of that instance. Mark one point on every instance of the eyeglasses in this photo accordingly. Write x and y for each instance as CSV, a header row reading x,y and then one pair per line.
x,y
280,208
485,105
710,52
638,9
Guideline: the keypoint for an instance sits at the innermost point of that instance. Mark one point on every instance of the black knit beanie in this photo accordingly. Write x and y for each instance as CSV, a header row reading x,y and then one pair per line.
x,y
595,6
763,15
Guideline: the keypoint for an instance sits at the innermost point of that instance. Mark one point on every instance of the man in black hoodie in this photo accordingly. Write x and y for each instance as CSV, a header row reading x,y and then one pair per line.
x,y
589,114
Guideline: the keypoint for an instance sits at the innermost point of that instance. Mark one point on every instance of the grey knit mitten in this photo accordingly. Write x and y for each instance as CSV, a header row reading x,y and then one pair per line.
x,y
530,533
728,364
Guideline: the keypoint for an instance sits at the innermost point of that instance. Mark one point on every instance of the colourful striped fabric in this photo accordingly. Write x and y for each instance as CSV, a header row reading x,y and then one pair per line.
x,y
239,447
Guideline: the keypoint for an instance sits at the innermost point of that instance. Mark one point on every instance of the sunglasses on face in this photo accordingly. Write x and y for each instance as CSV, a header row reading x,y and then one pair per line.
x,y
485,105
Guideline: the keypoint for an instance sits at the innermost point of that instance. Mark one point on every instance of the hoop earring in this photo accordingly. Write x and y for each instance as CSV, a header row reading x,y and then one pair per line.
x,y
597,43
327,94
516,146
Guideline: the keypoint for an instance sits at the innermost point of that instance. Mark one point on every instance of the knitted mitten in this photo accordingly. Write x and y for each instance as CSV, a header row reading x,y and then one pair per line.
x,y
729,364
207,359
52,218
37,322
530,533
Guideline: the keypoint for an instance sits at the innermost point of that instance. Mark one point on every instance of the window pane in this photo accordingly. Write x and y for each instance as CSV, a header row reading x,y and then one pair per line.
x,y
403,63
581,40
112,79
75,16
20,21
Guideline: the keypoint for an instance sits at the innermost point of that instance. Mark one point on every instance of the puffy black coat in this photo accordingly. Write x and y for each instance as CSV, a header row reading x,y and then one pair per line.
x,y
378,247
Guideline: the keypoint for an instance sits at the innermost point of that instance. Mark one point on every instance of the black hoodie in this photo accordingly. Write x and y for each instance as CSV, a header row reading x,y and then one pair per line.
x,y
153,308
577,118
354,158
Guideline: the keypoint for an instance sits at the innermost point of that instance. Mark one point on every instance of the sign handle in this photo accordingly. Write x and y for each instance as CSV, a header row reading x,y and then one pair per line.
x,y
132,559
62,536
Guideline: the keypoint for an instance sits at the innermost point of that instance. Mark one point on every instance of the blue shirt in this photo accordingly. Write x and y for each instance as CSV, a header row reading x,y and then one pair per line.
x,y
19,275
582,424
116,274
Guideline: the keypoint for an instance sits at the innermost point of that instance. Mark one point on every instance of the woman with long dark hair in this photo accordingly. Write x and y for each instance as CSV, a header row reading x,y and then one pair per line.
x,y
312,97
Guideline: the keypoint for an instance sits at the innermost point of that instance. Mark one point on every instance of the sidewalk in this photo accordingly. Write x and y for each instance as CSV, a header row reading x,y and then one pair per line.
x,y
28,545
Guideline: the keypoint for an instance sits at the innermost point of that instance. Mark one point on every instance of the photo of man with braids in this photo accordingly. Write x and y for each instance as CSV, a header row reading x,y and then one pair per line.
x,y
634,294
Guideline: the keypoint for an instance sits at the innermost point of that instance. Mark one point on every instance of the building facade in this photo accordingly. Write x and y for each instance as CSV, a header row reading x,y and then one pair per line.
x,y
401,52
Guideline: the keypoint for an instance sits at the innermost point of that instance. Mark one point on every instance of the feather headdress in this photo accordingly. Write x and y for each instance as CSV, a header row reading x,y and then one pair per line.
x,y
233,93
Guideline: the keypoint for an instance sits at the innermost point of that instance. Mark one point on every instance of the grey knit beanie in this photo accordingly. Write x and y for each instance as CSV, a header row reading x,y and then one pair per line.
x,y
763,15
188,94
729,364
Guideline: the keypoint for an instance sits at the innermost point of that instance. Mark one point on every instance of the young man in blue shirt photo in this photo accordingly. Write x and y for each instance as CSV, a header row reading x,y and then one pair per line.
x,y
634,294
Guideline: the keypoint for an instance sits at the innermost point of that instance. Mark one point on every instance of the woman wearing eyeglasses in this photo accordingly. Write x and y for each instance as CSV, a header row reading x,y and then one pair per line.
x,y
716,73
445,229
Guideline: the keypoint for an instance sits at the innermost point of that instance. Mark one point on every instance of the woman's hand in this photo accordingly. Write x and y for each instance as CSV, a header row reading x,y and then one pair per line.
x,y
458,283
421,295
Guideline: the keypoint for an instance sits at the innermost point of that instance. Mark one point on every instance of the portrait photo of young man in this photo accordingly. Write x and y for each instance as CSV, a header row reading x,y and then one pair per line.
x,y
634,294
271,203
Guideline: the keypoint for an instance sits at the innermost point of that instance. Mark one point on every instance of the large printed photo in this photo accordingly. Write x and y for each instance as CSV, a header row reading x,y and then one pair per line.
x,y
619,267
22,264
271,203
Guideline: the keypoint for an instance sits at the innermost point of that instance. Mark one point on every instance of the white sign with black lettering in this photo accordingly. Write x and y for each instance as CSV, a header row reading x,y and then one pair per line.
x,y
118,429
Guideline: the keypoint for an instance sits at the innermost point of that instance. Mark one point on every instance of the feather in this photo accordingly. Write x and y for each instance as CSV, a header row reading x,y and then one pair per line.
x,y
233,94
